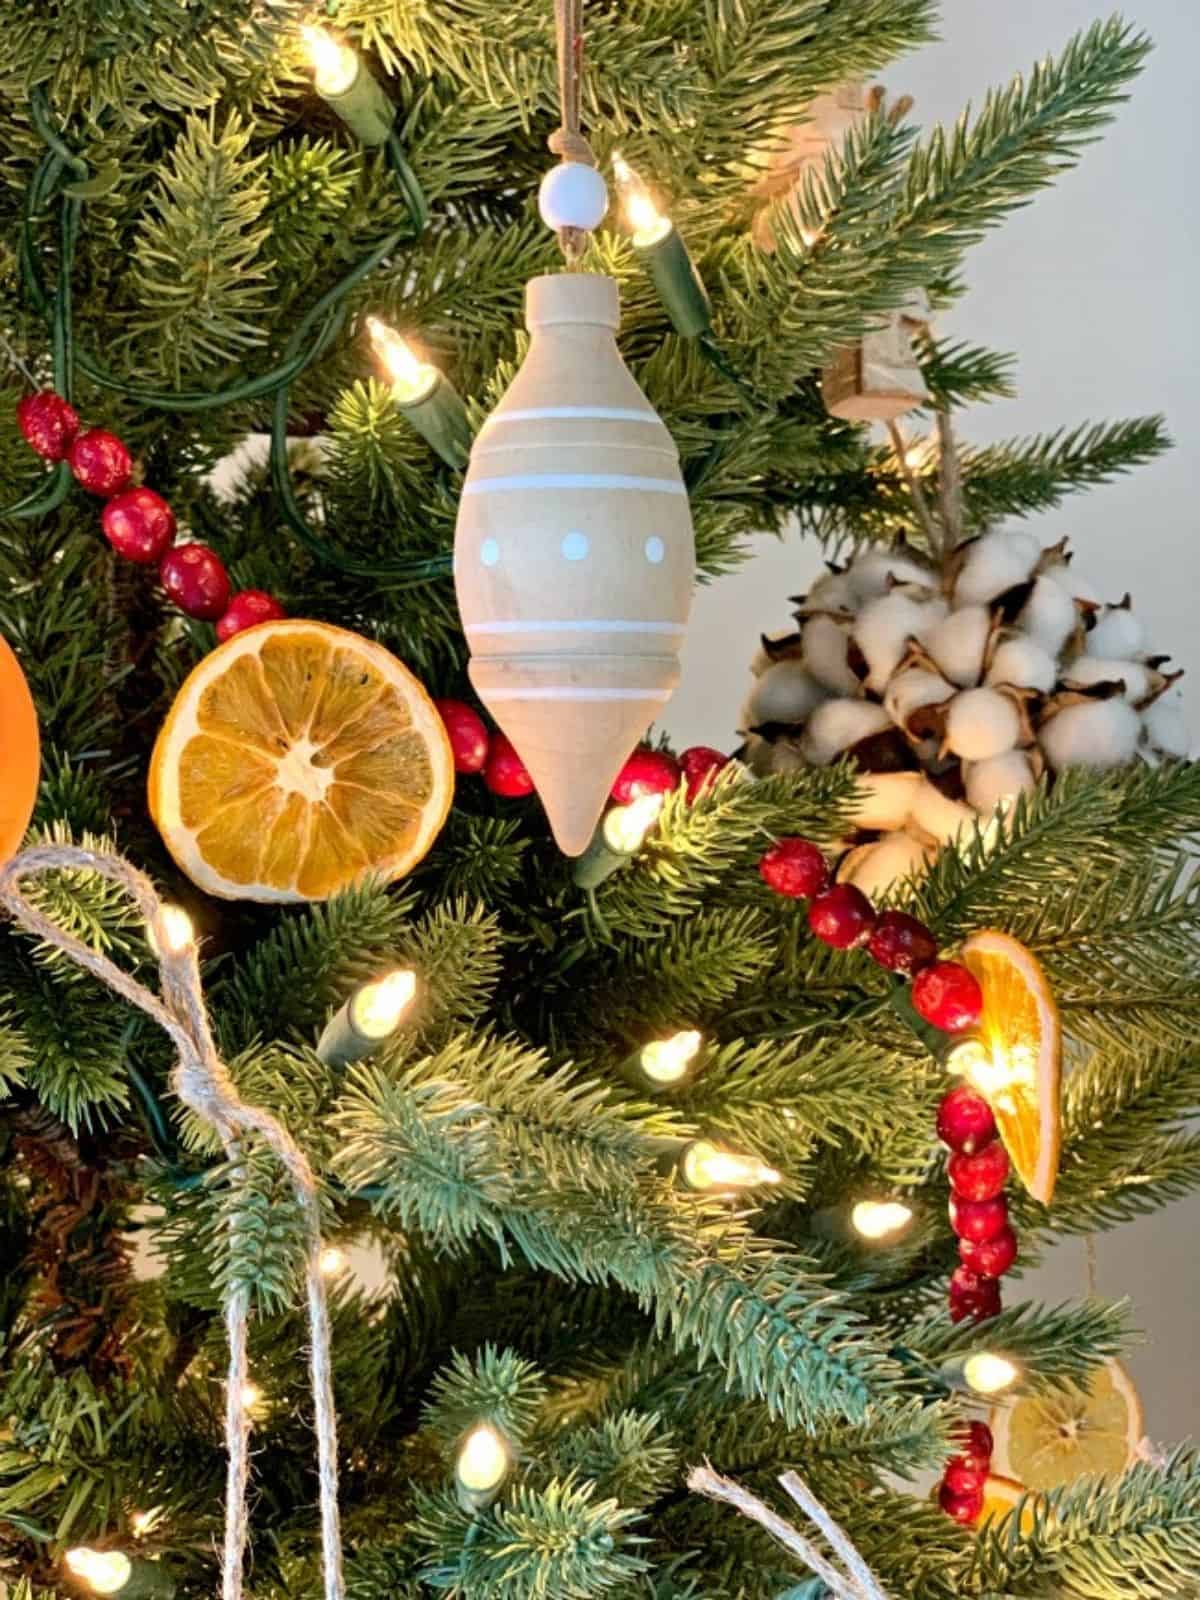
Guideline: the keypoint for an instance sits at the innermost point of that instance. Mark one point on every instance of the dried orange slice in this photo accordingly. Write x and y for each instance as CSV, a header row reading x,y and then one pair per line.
x,y
296,758
19,753
1002,1495
1017,1063
1053,1438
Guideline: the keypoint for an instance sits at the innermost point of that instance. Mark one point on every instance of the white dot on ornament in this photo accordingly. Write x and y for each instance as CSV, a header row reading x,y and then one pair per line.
x,y
655,550
575,546
489,552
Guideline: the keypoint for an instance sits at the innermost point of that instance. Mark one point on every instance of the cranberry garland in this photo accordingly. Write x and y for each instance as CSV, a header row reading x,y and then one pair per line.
x,y
947,995
137,522
961,1491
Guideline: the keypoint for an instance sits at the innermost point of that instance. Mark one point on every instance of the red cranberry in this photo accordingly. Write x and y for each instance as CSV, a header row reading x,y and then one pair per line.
x,y
139,525
505,773
981,1176
47,423
646,772
195,578
964,1508
100,462
467,733
978,1220
901,943
991,1258
961,1478
247,609
700,765
842,917
976,1445
972,1295
965,1121
794,867
949,996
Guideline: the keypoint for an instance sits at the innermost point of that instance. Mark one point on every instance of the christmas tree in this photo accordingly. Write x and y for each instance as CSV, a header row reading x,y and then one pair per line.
x,y
644,1144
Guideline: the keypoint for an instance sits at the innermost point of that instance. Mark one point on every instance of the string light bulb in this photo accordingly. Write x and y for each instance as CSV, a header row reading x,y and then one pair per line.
x,y
412,378
377,1008
104,1571
880,1219
668,1061
331,1261
141,1522
643,216
334,64
618,838
987,1373
250,1396
483,1462
993,1067
707,1168
174,932
656,240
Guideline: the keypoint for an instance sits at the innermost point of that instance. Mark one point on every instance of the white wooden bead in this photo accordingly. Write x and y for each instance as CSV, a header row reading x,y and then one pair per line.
x,y
573,555
572,195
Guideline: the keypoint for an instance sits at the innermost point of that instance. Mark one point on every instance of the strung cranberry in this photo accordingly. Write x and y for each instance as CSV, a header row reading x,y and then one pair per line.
x,y
139,525
467,733
901,943
842,917
964,1508
700,765
978,1220
48,423
965,1121
991,1258
794,867
646,772
247,609
195,578
948,996
972,1295
505,773
100,462
961,1478
981,1176
976,1445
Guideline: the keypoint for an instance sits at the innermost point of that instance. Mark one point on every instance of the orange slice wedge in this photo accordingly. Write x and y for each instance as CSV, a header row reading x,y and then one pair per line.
x,y
295,759
1002,1495
1017,1063
1051,1439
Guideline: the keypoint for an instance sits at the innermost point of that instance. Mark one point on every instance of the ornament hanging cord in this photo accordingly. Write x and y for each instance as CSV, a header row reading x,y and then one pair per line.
x,y
202,1082
567,141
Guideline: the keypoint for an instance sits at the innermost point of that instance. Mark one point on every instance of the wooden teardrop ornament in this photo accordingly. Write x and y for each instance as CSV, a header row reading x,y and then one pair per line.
x,y
19,753
574,556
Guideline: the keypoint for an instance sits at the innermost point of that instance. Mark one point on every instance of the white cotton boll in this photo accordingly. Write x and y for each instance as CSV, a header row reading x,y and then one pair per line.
x,y
784,693
825,645
998,781
877,571
936,814
957,644
837,724
1117,635
833,592
1050,615
1024,663
981,723
1089,670
876,868
884,627
883,800
996,562
1165,729
1101,733
913,689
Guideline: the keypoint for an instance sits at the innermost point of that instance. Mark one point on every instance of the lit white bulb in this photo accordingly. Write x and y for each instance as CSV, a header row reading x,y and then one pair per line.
x,y
104,1571
987,1373
412,378
335,65
174,933
647,221
625,827
483,1459
331,1261
376,1009
250,1396
667,1061
706,1167
140,1522
880,1219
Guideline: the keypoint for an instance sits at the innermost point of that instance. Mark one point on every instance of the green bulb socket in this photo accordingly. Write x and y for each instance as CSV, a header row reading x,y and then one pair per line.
x,y
363,107
678,283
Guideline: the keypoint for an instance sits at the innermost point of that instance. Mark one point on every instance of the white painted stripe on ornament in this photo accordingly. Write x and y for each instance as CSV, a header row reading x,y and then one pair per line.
x,y
546,413
579,626
567,692
572,480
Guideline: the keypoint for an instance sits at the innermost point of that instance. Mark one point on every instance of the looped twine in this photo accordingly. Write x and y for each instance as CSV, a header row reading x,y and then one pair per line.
x,y
202,1082
567,141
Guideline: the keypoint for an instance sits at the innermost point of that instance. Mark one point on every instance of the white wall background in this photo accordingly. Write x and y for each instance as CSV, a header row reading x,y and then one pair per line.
x,y
1093,287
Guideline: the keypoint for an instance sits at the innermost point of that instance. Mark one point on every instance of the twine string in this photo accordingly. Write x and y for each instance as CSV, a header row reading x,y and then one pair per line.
x,y
567,141
202,1082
